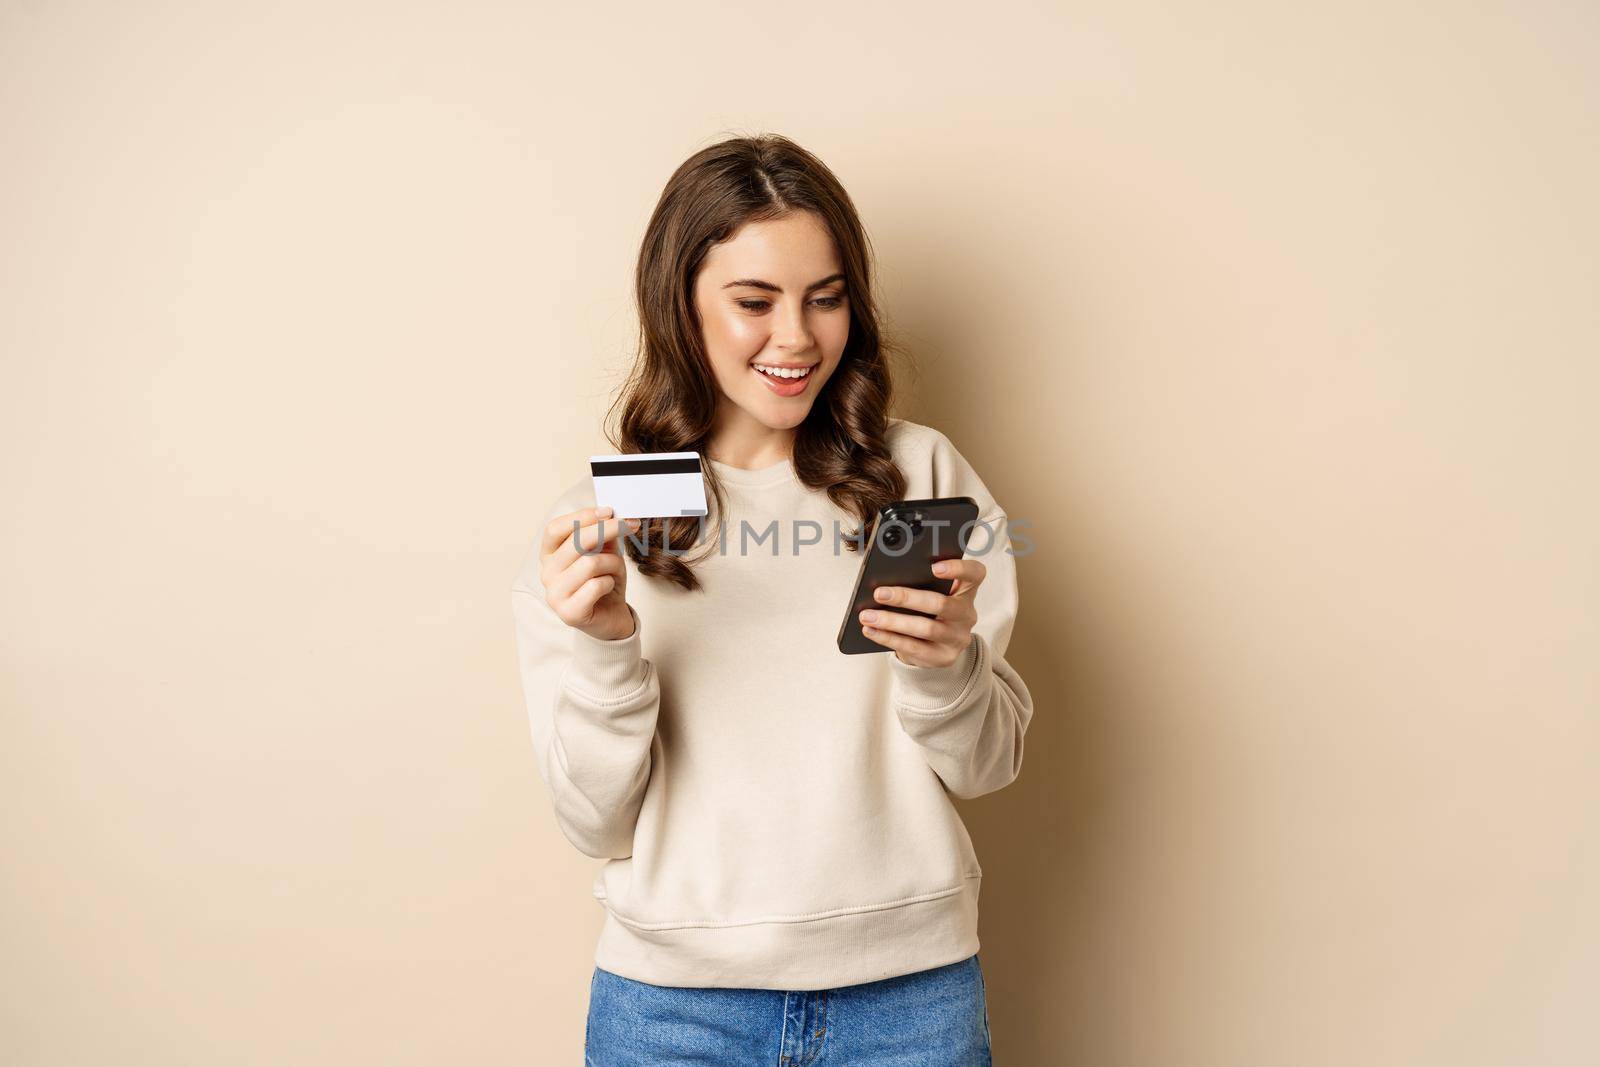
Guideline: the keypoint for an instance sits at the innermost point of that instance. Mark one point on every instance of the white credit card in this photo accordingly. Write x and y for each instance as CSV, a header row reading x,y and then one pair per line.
x,y
645,485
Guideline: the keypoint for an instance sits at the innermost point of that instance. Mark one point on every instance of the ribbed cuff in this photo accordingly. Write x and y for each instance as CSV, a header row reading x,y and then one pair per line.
x,y
937,688
607,670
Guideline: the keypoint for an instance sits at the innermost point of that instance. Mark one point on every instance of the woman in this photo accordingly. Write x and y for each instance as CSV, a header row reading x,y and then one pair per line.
x,y
786,873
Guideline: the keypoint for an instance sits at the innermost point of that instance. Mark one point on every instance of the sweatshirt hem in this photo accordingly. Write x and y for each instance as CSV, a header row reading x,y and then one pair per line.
x,y
819,950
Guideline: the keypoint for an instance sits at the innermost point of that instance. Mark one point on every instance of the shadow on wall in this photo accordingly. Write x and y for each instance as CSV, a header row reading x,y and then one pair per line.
x,y
1042,840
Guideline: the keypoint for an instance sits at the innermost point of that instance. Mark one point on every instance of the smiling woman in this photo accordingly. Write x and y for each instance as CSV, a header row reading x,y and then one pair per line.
x,y
791,338
786,872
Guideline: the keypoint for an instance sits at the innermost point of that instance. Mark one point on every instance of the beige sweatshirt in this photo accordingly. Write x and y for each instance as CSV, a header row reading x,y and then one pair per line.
x,y
774,813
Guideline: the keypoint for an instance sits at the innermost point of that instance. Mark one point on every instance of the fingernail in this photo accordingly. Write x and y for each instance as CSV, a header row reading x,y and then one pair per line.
x,y
882,594
942,567
869,616
603,512
633,524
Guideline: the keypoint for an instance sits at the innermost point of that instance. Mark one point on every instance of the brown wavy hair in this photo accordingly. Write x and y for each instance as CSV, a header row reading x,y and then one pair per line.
x,y
670,397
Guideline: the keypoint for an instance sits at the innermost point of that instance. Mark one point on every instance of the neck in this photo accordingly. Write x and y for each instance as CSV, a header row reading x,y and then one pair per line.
x,y
750,445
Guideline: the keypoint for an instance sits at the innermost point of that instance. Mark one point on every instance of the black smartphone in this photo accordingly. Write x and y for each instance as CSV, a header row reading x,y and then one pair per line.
x,y
908,537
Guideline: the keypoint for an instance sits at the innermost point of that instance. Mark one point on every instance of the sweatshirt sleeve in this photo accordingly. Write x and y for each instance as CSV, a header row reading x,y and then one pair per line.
x,y
592,706
969,718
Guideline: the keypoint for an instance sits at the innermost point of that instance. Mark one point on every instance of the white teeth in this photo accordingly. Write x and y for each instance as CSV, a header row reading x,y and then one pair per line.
x,y
781,372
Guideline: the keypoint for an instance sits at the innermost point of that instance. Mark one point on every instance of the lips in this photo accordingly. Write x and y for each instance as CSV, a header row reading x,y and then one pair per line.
x,y
785,386
758,364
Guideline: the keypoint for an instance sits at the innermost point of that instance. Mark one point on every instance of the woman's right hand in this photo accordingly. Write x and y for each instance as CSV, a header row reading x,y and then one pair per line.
x,y
588,589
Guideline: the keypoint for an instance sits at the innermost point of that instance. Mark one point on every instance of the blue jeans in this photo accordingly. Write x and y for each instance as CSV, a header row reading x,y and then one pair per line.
x,y
933,1018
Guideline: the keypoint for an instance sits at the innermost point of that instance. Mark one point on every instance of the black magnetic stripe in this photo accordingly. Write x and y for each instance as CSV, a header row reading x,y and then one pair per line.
x,y
645,466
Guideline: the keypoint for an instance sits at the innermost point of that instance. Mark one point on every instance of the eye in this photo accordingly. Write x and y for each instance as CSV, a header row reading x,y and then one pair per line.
x,y
827,303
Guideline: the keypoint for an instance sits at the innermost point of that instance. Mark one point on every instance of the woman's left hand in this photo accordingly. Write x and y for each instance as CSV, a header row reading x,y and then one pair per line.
x,y
936,642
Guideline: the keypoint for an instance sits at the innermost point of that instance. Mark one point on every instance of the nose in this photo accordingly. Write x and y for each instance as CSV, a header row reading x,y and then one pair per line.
x,y
791,332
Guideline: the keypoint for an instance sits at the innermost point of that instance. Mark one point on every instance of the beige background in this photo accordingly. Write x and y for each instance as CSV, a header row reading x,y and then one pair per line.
x,y
1278,321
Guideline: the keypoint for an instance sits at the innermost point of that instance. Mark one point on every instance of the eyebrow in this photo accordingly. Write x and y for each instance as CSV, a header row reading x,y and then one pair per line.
x,y
757,283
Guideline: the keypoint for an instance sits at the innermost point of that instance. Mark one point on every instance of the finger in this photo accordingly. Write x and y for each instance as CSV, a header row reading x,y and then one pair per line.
x,y
902,596
901,623
969,574
597,538
913,648
565,581
577,606
589,593
560,528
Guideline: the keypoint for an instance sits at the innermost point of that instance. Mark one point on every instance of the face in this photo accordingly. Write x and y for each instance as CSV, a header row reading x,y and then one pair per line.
x,y
772,295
